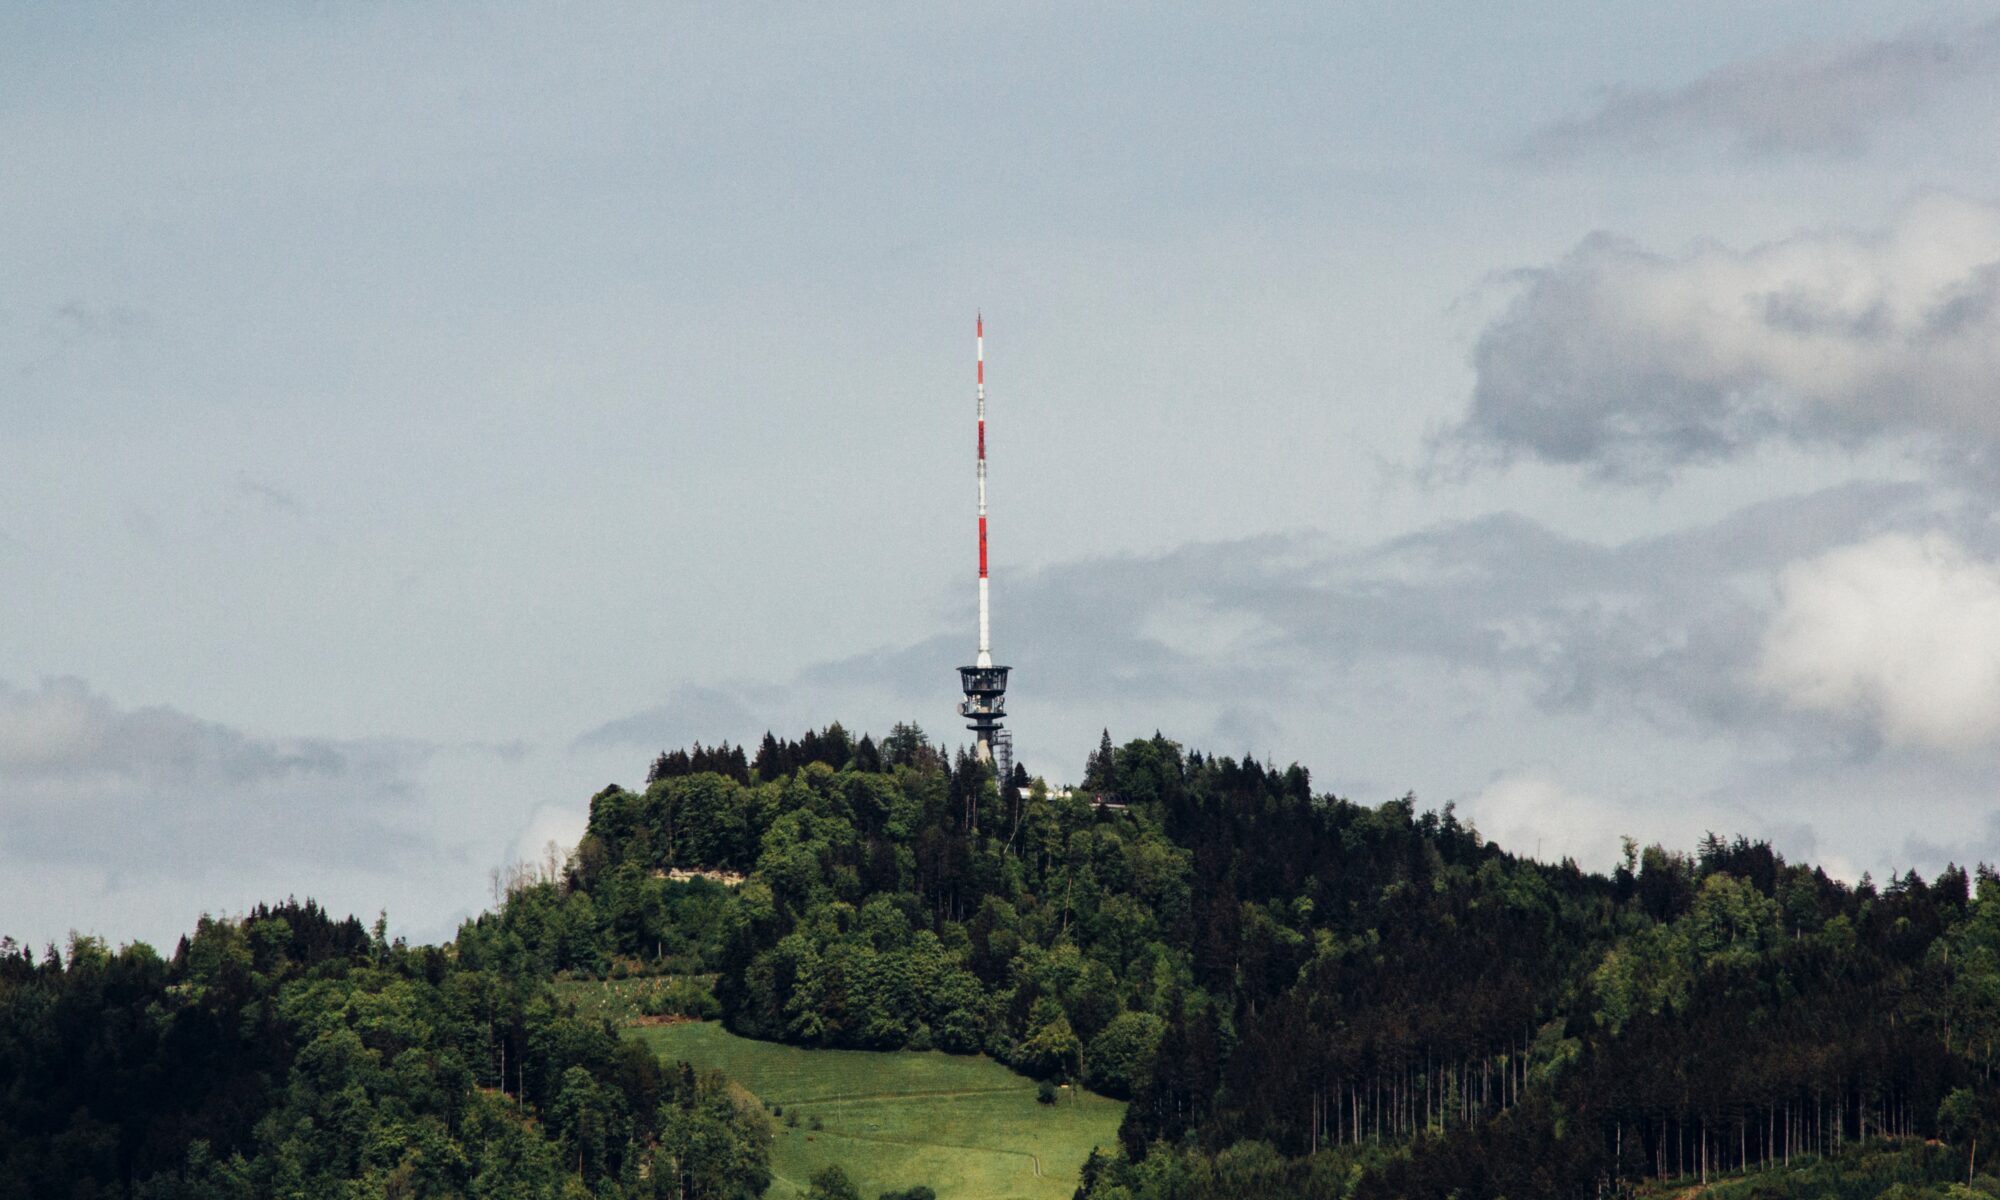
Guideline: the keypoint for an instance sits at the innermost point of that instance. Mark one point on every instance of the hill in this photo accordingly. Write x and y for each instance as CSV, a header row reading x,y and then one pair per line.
x,y
1299,996
1367,1001
963,1125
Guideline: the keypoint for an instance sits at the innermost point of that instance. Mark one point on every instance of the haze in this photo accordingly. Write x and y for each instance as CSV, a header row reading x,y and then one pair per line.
x,y
413,419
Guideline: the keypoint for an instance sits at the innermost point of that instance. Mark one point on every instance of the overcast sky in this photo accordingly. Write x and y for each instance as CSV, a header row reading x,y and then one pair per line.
x,y
412,418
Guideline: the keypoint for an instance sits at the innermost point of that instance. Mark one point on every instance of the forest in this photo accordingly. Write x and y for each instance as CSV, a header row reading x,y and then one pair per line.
x,y
290,1054
1301,996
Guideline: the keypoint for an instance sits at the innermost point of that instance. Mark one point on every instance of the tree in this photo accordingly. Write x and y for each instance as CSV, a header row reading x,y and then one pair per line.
x,y
831,1183
835,747
907,746
1959,1121
1100,772
1051,1047
1120,1058
579,1114
772,762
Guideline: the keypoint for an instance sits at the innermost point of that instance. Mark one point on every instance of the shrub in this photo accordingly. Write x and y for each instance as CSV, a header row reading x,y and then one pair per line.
x,y
832,1183
682,997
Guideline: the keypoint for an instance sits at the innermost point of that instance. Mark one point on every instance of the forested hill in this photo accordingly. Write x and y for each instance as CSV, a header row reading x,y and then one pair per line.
x,y
1306,995
1300,995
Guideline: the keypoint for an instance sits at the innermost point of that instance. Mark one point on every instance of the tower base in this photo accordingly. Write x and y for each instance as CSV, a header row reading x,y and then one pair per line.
x,y
985,705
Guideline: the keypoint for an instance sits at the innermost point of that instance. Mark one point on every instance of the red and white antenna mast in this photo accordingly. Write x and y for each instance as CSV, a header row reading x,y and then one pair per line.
x,y
985,685
985,658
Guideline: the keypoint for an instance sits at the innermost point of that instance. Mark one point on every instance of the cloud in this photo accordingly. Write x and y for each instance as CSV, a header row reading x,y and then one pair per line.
x,y
62,731
557,825
270,498
1820,100
152,802
1235,641
72,325
1899,633
1531,812
690,714
1634,364
1565,690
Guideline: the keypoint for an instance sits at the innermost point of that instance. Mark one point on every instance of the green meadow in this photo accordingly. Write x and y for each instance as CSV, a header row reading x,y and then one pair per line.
x,y
966,1126
623,1001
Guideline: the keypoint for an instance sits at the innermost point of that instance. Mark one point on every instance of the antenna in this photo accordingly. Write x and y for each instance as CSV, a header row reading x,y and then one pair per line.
x,y
985,685
985,658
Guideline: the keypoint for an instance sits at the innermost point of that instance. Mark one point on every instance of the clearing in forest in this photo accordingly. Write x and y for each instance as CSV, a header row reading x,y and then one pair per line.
x,y
964,1125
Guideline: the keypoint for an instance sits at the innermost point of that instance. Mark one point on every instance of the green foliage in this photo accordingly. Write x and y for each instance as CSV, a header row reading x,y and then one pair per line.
x,y
1249,962
1051,1047
1300,995
1120,1057
290,1054
831,1183
1874,1172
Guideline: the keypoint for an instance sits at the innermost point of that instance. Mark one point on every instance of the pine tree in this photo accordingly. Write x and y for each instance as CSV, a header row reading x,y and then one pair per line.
x,y
835,747
1100,771
737,767
772,762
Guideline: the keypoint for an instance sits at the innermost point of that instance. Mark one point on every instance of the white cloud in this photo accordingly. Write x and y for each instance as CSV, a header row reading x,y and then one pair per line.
x,y
1900,633
1540,811
1531,813
1635,363
551,825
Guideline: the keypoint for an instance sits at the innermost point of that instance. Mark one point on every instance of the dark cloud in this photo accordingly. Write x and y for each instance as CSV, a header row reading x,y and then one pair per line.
x,y
63,731
1245,730
1634,364
152,790
1819,101
691,714
73,325
270,498
1663,628
1565,690
131,821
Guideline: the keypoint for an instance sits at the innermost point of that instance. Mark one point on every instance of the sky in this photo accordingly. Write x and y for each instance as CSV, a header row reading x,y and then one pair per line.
x,y
414,418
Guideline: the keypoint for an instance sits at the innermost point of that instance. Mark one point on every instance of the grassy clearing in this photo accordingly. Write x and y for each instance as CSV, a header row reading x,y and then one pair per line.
x,y
620,1001
966,1126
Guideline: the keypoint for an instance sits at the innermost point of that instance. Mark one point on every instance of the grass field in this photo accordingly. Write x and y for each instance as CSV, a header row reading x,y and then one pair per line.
x,y
619,1000
968,1127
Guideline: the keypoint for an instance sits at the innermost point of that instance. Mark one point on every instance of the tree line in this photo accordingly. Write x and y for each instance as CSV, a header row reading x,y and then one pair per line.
x,y
1256,965
1300,996
290,1054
